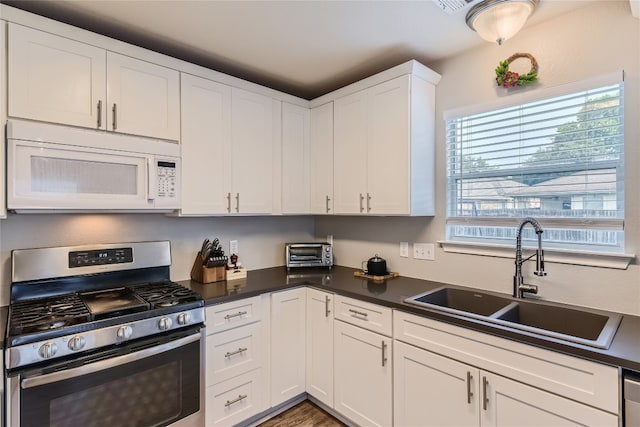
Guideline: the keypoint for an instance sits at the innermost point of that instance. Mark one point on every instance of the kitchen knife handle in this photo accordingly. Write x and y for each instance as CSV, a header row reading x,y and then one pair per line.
x,y
368,202
469,388
326,306
384,352
99,114
485,396
361,201
327,200
114,110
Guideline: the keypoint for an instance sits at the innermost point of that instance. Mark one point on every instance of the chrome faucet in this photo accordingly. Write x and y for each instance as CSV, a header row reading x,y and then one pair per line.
x,y
519,287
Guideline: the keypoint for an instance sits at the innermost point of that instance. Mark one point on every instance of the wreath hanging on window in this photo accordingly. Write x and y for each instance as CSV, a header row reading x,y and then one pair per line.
x,y
506,78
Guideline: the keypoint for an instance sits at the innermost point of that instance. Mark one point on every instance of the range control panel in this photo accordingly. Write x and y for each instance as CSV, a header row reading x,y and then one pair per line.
x,y
100,257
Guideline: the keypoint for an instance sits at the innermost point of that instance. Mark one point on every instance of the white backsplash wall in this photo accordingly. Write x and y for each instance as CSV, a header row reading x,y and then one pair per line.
x,y
569,47
260,239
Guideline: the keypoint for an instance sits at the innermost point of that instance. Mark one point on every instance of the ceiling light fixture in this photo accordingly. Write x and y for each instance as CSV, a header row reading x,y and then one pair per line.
x,y
499,20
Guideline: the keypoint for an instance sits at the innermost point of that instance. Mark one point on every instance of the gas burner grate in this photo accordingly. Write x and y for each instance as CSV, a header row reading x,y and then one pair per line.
x,y
166,294
46,314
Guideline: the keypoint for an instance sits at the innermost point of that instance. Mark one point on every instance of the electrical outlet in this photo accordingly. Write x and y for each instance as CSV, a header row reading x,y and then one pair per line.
x,y
330,239
404,249
424,251
233,247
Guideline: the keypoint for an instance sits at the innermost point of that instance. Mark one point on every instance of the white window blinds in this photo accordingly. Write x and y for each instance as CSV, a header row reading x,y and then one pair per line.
x,y
558,159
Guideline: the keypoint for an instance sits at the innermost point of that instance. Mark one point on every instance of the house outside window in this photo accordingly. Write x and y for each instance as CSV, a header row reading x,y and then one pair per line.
x,y
558,158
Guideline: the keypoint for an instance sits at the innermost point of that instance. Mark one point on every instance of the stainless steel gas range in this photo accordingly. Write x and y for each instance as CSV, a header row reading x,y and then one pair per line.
x,y
99,336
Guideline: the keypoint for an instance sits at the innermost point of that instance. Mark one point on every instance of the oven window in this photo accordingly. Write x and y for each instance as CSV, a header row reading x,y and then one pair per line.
x,y
154,391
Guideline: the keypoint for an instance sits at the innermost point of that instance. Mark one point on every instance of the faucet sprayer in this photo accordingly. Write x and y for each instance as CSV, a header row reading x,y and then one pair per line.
x,y
519,287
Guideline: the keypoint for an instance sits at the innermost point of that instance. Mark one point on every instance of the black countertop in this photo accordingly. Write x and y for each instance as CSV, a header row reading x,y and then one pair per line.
x,y
624,350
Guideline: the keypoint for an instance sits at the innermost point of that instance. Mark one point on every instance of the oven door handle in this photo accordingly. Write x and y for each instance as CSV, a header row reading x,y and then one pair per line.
x,y
107,363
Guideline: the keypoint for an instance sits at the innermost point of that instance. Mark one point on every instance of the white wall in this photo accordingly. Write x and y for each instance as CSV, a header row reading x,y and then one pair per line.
x,y
596,39
260,239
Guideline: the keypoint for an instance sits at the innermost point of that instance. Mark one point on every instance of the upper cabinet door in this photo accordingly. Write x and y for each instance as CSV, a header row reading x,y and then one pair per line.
x,y
321,165
55,79
350,154
143,98
388,148
295,159
251,153
206,135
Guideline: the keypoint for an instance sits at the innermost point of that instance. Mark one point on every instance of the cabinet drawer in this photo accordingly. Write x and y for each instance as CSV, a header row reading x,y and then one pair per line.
x,y
233,314
578,379
234,352
366,315
235,400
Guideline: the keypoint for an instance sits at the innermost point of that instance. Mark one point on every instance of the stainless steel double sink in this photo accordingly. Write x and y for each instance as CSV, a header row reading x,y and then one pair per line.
x,y
581,326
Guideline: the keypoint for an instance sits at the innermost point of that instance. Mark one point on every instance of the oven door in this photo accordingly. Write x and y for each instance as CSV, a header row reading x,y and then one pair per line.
x,y
150,383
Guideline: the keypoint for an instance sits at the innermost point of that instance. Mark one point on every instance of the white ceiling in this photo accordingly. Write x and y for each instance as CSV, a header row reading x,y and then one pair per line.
x,y
305,48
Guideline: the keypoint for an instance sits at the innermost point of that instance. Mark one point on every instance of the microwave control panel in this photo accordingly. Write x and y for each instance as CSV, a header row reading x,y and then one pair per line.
x,y
166,179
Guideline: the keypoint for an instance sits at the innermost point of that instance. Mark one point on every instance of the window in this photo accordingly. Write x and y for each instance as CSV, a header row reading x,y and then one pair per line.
x,y
558,159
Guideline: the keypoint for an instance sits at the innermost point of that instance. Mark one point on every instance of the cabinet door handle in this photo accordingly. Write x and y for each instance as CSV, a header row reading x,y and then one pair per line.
x,y
361,203
114,110
358,313
99,114
368,202
485,396
231,316
237,202
233,353
236,400
328,199
384,352
229,202
469,388
326,306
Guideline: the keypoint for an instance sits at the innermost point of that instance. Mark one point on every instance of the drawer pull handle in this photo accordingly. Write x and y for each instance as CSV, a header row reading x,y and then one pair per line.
x,y
233,353
326,306
469,391
358,313
238,314
384,352
236,400
485,396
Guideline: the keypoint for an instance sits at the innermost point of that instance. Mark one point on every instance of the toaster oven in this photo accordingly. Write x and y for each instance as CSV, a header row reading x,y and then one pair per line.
x,y
308,255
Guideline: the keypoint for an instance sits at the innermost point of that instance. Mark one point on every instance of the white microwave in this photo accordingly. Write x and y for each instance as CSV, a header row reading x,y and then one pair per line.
x,y
60,168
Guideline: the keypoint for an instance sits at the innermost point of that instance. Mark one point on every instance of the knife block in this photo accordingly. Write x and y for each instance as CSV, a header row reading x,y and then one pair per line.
x,y
203,274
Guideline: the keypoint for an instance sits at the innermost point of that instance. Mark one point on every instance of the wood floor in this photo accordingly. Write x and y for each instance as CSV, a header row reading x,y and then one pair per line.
x,y
304,414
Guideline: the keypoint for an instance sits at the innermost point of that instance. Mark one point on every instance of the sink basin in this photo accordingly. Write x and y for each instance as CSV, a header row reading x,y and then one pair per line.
x,y
587,327
460,301
580,326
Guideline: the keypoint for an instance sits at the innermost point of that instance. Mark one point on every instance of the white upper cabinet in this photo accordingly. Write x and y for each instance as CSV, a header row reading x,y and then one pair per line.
x,y
295,159
206,139
384,150
252,148
321,159
55,79
59,80
3,117
143,98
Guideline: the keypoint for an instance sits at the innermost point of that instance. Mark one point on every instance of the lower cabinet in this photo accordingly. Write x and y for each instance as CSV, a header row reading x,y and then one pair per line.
x,y
235,357
288,310
320,345
363,375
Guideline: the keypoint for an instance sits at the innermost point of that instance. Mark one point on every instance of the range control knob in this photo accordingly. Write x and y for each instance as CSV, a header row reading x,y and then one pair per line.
x,y
164,323
124,332
76,343
184,318
48,350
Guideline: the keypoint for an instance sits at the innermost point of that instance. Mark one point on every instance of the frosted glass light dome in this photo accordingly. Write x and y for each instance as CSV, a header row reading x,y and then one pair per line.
x,y
499,20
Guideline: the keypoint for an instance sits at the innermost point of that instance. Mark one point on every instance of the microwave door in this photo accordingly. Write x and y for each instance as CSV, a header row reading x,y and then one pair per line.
x,y
54,176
